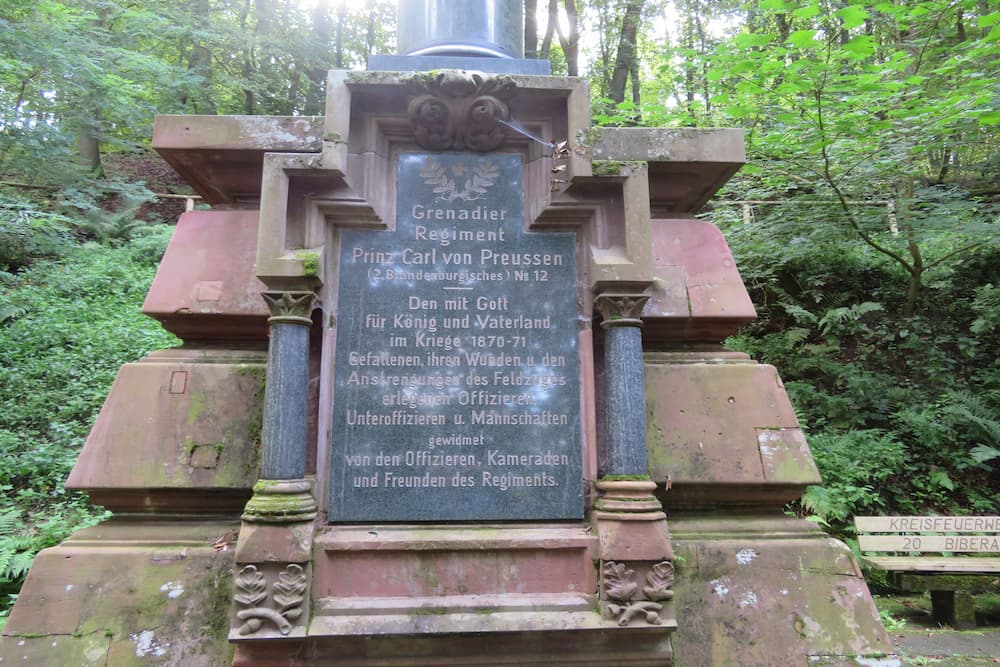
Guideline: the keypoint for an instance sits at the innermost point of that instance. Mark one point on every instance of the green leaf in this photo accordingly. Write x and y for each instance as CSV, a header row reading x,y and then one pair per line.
x,y
990,118
774,5
862,46
803,39
984,453
806,12
852,16
749,39
941,478
989,19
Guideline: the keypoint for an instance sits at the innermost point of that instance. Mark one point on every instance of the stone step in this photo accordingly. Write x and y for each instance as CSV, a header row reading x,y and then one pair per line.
x,y
454,613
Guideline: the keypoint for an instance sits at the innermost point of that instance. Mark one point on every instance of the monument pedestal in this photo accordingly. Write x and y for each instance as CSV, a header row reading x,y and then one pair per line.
x,y
761,589
459,489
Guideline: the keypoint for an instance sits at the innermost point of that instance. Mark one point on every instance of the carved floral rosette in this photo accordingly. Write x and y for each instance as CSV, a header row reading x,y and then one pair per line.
x,y
458,110
625,600
261,607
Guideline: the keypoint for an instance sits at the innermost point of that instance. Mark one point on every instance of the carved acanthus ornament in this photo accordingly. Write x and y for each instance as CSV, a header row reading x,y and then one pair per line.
x,y
620,310
458,110
625,600
289,307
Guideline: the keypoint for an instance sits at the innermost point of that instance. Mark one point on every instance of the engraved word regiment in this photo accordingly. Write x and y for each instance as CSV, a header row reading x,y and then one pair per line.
x,y
456,378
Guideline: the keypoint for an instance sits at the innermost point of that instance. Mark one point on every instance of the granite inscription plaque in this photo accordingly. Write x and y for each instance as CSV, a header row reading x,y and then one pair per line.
x,y
456,393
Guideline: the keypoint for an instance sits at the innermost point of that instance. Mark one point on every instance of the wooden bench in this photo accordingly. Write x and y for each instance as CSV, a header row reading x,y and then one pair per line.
x,y
895,542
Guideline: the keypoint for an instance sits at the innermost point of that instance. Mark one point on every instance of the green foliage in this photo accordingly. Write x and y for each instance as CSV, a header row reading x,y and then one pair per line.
x,y
903,414
858,467
890,622
105,210
78,320
27,234
19,544
78,77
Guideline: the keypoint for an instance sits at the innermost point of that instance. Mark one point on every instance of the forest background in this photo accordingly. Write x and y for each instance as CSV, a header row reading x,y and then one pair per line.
x,y
865,224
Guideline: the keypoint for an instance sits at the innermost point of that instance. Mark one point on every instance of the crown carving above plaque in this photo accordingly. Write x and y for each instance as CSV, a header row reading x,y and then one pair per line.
x,y
459,110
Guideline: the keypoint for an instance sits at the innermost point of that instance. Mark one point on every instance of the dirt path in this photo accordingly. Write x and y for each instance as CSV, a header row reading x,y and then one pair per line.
x,y
921,642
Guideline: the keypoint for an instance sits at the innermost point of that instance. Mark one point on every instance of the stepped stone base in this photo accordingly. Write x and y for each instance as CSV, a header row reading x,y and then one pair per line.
x,y
766,590
613,646
126,593
511,594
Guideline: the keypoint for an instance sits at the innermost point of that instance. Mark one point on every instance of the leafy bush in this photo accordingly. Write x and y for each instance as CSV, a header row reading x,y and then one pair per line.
x,y
27,234
902,413
858,467
78,321
105,210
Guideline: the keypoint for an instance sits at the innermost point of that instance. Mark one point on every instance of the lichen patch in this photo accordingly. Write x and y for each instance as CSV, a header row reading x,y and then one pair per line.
x,y
719,587
147,644
172,589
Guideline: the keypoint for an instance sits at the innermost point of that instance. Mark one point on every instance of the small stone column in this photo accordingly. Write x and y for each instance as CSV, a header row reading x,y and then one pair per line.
x,y
625,396
283,494
637,571
272,580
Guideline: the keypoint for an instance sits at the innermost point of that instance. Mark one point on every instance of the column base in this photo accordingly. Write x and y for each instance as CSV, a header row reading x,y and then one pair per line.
x,y
630,522
281,501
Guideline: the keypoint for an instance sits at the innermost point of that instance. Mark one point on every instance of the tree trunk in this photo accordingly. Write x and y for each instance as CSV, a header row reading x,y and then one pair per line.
x,y
200,62
903,200
636,92
530,29
370,36
703,49
571,45
550,28
249,97
341,20
626,50
317,69
88,141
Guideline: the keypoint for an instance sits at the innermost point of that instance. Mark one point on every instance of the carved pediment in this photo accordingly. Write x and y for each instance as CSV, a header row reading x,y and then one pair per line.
x,y
459,110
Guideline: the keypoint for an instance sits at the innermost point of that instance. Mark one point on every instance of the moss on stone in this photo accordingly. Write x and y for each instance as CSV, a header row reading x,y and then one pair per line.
x,y
255,422
310,262
430,611
615,167
587,138
626,478
195,407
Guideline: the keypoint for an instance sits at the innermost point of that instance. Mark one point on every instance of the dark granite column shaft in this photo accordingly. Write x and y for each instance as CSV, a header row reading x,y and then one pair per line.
x,y
282,495
286,393
625,394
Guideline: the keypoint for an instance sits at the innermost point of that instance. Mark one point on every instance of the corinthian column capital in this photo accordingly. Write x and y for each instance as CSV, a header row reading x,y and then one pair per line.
x,y
620,310
289,307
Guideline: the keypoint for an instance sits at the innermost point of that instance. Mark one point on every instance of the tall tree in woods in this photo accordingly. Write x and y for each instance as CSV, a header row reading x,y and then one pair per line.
x,y
626,63
882,111
617,71
82,77
568,35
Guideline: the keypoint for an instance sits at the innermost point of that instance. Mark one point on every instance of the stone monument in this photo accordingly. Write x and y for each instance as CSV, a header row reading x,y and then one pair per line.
x,y
451,356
